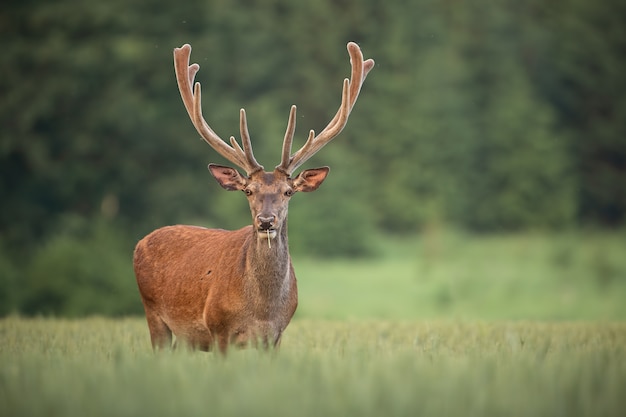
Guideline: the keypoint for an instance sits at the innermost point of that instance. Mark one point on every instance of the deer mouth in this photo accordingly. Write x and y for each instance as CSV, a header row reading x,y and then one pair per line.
x,y
267,233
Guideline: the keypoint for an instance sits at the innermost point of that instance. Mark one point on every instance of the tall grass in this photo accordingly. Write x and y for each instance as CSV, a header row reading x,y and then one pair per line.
x,y
447,325
100,367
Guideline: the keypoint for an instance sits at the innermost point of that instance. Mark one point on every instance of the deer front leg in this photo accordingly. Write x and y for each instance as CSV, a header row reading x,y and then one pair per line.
x,y
160,334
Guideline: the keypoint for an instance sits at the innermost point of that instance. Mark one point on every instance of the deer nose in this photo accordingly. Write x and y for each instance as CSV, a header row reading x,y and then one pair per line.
x,y
266,223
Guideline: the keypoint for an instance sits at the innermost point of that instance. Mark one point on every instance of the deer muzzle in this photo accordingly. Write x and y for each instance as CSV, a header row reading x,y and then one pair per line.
x,y
266,225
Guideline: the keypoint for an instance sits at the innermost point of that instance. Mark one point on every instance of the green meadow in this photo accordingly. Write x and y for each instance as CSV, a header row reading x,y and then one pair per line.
x,y
104,367
562,276
448,325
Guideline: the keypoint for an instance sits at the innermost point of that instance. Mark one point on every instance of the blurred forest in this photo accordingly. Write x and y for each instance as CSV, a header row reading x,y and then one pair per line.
x,y
486,116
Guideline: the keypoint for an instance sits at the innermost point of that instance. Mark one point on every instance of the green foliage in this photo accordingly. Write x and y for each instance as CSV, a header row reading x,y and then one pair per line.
x,y
84,270
81,121
359,368
8,283
472,143
334,222
586,87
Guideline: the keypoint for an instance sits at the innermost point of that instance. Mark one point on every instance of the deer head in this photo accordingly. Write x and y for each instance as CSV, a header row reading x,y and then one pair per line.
x,y
268,192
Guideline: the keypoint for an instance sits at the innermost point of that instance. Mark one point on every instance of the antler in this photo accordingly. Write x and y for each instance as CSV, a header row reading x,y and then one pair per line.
x,y
185,74
351,89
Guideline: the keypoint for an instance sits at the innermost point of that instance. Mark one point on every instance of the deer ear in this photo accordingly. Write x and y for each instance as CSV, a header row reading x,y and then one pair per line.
x,y
229,178
309,179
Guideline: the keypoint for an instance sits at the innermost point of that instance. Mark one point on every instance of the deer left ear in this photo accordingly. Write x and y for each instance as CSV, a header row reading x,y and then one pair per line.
x,y
229,178
309,179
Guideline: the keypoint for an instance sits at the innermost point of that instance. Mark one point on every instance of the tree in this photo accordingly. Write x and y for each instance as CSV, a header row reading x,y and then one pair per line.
x,y
585,84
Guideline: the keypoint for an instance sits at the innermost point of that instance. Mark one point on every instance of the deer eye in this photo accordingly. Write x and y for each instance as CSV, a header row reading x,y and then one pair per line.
x,y
247,191
289,193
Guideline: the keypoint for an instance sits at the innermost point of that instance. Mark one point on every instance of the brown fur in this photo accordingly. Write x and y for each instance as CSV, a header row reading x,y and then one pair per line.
x,y
193,283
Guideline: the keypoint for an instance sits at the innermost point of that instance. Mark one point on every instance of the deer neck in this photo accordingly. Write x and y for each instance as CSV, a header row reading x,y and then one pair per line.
x,y
267,266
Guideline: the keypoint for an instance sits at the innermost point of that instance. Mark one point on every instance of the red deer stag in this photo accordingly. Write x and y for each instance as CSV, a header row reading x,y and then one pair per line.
x,y
212,287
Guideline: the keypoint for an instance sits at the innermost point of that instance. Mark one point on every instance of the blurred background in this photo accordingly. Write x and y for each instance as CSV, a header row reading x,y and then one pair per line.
x,y
490,137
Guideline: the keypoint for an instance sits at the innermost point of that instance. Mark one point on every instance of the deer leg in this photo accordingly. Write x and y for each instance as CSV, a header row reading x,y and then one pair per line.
x,y
222,344
277,341
160,334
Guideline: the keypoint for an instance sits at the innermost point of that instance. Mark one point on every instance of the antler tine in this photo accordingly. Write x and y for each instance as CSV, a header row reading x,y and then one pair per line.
x,y
192,99
350,93
357,77
245,140
287,142
185,74
315,143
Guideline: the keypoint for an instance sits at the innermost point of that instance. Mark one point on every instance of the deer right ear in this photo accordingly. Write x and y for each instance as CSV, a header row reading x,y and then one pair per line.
x,y
309,179
230,179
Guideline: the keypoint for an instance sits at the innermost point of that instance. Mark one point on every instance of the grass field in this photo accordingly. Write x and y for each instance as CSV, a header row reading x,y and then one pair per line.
x,y
104,367
447,325
567,276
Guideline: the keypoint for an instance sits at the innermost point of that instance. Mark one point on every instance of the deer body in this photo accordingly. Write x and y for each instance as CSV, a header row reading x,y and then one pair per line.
x,y
212,287
207,296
